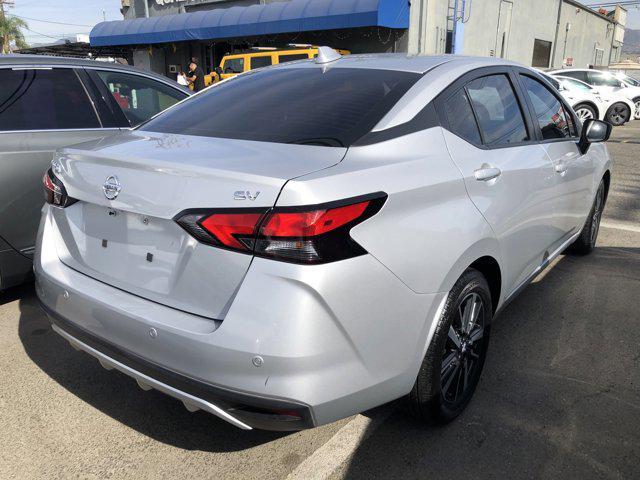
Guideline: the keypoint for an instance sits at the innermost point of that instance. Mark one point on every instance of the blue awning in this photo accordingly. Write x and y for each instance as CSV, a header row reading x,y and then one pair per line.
x,y
269,19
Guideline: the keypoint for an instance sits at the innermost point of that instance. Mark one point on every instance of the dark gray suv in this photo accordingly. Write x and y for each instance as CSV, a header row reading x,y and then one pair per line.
x,y
50,102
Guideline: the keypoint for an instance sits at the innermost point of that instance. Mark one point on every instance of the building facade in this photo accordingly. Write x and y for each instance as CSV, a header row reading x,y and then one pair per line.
x,y
539,33
162,35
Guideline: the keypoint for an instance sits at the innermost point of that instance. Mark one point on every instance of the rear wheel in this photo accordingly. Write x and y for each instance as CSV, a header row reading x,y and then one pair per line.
x,y
618,114
586,242
585,112
452,366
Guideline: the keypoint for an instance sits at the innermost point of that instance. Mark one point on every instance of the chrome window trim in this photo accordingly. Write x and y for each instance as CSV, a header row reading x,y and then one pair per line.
x,y
108,129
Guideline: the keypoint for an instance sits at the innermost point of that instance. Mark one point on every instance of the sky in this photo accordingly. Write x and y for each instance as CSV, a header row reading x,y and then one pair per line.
x,y
79,16
74,16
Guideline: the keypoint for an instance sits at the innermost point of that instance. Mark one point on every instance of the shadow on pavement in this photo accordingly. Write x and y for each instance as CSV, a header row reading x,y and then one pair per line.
x,y
560,392
151,413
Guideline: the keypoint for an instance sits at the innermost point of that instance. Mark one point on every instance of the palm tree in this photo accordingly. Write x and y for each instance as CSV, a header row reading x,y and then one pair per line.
x,y
10,32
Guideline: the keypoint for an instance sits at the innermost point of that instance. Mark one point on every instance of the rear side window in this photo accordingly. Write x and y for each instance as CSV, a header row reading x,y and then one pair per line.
x,y
291,58
329,107
140,98
259,62
497,110
460,117
44,99
551,115
233,65
577,75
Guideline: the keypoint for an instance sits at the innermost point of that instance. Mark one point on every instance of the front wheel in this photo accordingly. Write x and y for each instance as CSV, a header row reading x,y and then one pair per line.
x,y
636,114
586,242
585,112
618,114
452,366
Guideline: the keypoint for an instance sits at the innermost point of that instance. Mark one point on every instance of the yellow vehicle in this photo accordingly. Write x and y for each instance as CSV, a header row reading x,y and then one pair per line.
x,y
236,63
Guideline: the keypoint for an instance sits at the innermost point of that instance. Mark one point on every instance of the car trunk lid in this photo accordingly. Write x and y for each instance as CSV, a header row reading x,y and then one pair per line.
x,y
132,241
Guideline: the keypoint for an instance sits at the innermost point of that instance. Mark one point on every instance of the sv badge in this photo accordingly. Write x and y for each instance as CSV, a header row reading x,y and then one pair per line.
x,y
245,195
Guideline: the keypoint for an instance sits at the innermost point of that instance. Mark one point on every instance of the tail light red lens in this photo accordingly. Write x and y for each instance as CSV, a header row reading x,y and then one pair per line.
x,y
309,235
54,191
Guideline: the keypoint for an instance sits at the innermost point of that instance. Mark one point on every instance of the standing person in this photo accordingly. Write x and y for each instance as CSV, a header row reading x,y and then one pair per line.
x,y
195,76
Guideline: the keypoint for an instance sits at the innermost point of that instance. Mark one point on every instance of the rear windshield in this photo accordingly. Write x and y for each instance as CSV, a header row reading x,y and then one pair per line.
x,y
334,107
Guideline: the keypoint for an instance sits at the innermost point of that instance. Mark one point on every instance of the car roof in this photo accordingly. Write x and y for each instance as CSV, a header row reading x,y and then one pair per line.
x,y
400,62
29,60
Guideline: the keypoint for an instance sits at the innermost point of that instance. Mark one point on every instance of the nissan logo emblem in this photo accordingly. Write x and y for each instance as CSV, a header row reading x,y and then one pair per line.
x,y
111,187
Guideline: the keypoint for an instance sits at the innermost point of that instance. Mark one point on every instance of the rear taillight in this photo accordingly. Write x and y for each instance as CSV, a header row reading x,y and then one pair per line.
x,y
309,235
54,191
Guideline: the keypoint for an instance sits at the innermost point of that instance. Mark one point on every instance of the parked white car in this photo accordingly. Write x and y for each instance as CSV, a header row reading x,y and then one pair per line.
x,y
588,102
605,82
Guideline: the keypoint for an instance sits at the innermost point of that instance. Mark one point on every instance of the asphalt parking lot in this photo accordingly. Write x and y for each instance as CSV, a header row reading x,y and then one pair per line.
x,y
559,396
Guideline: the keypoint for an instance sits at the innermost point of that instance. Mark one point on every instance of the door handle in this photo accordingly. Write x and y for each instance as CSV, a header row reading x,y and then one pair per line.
x,y
561,168
487,173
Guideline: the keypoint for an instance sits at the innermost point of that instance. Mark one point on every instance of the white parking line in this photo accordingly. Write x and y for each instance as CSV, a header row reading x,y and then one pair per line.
x,y
621,226
328,458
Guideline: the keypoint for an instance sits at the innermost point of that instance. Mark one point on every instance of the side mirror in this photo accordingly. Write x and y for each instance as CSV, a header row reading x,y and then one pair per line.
x,y
593,131
218,70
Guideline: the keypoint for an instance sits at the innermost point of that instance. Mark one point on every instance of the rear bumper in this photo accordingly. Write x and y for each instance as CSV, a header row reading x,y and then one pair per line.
x,y
314,343
240,409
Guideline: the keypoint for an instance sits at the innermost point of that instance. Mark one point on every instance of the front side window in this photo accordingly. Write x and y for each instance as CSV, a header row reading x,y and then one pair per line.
x,y
601,80
44,99
460,117
573,84
259,62
631,81
292,57
554,121
140,98
233,65
497,110
295,105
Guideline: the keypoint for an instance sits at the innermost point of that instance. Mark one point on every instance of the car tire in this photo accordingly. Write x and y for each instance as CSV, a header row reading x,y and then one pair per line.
x,y
585,112
586,242
636,114
618,114
451,368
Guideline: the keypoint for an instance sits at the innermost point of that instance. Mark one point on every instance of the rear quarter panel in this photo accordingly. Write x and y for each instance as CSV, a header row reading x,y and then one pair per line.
x,y
428,231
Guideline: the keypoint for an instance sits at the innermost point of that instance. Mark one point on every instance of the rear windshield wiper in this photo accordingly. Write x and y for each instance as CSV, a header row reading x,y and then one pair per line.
x,y
323,142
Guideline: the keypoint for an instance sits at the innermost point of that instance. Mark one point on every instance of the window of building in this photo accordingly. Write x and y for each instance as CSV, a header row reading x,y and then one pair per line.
x,y
599,56
460,117
554,121
259,62
140,98
541,53
497,110
291,58
233,65
44,99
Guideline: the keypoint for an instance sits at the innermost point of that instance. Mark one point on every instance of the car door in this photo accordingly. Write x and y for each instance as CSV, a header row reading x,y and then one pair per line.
x,y
573,172
508,175
41,110
134,98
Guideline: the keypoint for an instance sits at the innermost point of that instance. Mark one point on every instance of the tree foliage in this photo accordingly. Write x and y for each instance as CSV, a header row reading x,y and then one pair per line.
x,y
11,33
